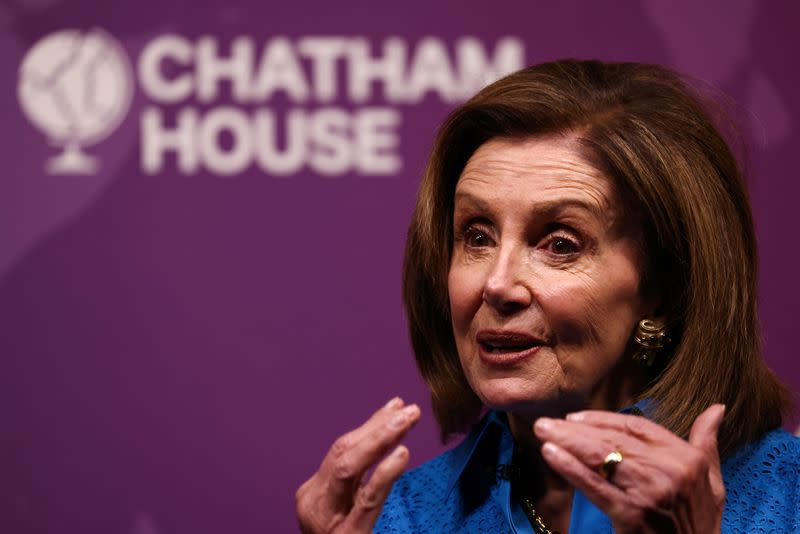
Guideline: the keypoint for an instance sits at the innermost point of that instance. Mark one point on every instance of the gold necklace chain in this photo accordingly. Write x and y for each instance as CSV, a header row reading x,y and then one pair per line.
x,y
535,519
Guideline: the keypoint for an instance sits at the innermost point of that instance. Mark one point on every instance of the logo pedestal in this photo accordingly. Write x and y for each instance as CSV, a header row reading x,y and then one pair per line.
x,y
72,160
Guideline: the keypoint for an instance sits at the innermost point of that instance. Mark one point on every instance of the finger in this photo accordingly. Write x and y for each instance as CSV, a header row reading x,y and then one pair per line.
x,y
370,497
605,496
622,508
328,496
645,466
588,444
353,453
635,425
382,414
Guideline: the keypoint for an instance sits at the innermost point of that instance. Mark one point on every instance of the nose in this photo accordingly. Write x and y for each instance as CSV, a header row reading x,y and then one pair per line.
x,y
505,289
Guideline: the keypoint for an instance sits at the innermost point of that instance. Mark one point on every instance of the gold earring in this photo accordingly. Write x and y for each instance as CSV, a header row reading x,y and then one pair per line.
x,y
650,339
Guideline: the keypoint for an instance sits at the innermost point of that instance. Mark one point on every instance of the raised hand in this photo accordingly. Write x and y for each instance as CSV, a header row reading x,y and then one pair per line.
x,y
662,484
337,498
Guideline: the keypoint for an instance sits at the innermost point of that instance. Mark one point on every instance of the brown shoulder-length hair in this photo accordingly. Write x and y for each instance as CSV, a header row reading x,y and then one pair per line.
x,y
645,128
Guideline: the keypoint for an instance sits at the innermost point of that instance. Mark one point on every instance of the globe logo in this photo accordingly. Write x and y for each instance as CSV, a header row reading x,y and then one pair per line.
x,y
76,87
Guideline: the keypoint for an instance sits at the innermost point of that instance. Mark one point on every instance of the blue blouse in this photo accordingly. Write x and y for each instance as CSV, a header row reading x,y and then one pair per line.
x,y
462,490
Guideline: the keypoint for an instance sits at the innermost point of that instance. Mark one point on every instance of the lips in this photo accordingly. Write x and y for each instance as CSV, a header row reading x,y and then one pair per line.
x,y
505,347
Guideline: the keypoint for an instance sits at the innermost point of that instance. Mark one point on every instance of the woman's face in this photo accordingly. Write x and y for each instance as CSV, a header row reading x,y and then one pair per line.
x,y
544,280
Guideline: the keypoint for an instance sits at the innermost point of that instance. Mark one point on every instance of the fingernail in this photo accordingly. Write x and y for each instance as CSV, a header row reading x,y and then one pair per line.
x,y
577,416
398,453
543,424
549,449
397,421
411,411
405,415
394,403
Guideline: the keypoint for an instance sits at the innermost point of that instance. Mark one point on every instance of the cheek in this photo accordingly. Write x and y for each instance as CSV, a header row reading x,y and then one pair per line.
x,y
465,291
594,311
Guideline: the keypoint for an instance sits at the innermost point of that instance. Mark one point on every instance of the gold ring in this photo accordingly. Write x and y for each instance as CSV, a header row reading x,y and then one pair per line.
x,y
611,462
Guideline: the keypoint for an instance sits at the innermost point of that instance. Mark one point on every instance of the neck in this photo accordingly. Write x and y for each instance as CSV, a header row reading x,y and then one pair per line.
x,y
550,494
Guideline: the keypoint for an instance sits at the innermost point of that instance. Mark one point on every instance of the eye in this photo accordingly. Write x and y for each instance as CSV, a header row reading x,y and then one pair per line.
x,y
563,245
476,237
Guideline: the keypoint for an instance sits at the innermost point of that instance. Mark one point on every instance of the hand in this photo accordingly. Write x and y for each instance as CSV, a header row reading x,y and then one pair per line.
x,y
334,498
663,483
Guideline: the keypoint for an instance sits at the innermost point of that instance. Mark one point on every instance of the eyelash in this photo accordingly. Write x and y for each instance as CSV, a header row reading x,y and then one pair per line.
x,y
574,245
474,231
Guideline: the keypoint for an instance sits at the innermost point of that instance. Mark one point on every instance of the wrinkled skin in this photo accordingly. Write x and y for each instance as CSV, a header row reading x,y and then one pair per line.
x,y
663,484
334,498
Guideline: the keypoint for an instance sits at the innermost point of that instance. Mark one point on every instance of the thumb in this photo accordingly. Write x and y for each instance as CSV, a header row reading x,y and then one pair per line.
x,y
703,435
704,430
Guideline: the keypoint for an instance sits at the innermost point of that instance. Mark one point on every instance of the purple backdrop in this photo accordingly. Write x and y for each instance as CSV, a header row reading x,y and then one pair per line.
x,y
182,339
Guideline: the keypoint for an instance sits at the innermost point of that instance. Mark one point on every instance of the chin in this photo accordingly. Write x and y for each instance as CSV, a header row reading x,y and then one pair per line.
x,y
512,394
524,397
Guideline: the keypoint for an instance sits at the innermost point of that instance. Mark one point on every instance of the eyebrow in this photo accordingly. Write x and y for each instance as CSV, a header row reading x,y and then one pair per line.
x,y
546,209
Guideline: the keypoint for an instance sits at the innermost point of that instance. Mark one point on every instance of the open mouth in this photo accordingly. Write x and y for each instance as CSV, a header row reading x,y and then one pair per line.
x,y
505,346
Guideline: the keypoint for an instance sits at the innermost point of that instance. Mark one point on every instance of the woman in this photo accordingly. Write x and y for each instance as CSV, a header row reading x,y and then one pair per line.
x,y
580,270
